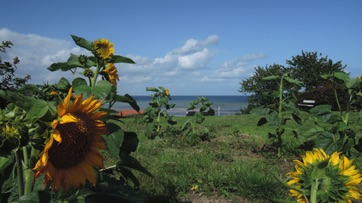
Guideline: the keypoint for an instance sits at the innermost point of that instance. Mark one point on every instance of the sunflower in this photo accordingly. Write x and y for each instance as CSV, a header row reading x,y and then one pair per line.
x,y
323,178
103,48
111,73
167,92
72,152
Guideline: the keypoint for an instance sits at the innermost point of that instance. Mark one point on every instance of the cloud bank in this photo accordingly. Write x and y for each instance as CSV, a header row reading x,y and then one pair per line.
x,y
185,70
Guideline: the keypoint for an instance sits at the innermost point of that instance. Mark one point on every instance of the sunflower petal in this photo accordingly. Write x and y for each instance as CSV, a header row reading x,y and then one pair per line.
x,y
57,136
68,118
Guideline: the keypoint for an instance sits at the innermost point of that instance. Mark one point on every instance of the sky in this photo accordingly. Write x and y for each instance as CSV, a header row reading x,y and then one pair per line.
x,y
192,47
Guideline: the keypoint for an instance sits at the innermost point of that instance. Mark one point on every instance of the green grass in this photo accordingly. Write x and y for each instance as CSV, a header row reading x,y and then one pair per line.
x,y
235,164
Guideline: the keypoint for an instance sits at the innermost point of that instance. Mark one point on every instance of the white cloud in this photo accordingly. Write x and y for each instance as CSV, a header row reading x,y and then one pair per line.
x,y
193,45
234,69
195,60
185,69
36,53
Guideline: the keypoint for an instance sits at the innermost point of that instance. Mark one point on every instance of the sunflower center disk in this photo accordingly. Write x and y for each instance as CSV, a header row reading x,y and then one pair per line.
x,y
76,142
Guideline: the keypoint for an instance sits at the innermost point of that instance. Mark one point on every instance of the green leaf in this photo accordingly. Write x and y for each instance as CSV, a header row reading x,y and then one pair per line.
x,y
321,109
341,75
353,83
131,162
114,139
121,59
39,109
293,81
313,132
187,124
101,89
85,90
79,82
74,61
262,121
19,100
60,66
328,142
130,142
199,117
83,42
63,84
128,99
297,118
5,161
272,77
152,89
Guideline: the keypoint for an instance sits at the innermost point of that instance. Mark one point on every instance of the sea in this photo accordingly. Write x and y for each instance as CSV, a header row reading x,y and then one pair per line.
x,y
223,105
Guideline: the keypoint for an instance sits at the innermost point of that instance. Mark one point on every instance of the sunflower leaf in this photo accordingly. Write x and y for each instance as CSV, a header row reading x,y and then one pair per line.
x,y
83,42
61,66
63,84
19,100
131,162
130,142
39,109
121,59
101,89
128,99
114,139
78,82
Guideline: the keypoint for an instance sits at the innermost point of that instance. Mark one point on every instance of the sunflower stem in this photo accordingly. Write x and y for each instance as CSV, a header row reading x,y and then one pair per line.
x,y
313,192
95,76
26,157
19,168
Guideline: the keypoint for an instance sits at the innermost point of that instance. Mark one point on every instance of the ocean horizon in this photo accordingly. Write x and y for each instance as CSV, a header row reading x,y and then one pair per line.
x,y
223,105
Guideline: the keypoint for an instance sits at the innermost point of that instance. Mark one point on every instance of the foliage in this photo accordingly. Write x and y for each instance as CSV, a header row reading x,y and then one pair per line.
x,y
156,110
325,95
278,117
229,167
192,128
335,131
27,123
8,81
264,92
308,67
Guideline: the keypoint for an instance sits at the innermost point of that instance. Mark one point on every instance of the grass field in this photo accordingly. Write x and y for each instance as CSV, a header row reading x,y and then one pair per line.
x,y
236,163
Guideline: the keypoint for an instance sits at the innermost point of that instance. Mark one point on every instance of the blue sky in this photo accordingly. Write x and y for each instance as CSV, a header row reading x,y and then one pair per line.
x,y
203,47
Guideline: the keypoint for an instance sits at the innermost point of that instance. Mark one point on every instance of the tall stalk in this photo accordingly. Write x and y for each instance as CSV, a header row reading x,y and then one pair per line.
x,y
19,168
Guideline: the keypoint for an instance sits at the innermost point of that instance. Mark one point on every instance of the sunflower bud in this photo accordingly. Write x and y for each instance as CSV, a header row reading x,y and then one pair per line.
x,y
88,73
12,137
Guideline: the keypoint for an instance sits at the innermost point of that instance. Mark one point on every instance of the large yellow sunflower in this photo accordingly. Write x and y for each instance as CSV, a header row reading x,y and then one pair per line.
x,y
72,152
111,73
103,48
323,178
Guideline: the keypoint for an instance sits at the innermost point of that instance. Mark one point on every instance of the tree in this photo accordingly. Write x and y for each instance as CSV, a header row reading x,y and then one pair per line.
x,y
309,66
8,81
263,91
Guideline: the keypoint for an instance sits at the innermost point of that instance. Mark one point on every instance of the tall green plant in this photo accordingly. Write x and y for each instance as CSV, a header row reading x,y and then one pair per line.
x,y
156,113
51,135
278,116
192,128
336,131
